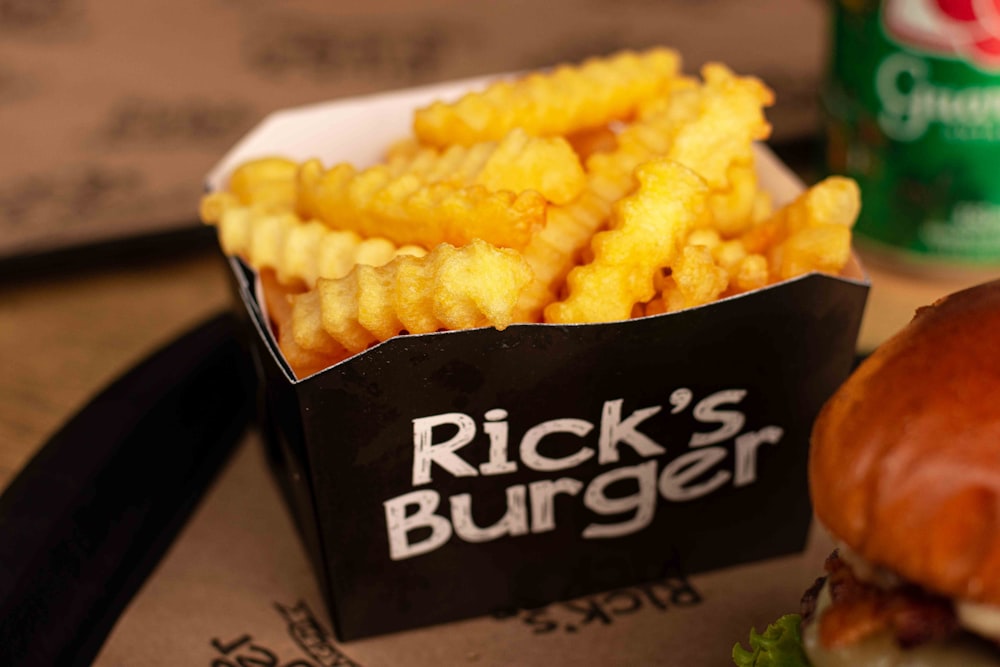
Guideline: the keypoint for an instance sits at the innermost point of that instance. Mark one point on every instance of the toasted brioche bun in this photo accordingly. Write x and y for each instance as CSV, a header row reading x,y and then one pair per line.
x,y
905,459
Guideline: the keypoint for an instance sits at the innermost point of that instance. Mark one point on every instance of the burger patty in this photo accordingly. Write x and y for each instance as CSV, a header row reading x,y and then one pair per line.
x,y
859,610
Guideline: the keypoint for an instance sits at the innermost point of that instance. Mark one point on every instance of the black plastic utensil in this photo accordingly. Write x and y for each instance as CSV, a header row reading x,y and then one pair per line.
x,y
92,513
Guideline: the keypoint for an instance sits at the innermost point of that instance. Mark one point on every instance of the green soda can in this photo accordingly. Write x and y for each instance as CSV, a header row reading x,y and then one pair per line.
x,y
912,103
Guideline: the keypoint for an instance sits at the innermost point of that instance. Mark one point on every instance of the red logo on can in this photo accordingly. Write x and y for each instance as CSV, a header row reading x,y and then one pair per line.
x,y
967,30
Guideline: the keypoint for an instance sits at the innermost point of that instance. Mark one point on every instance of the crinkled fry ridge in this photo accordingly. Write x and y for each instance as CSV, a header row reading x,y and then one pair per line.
x,y
267,182
812,233
559,102
519,162
407,210
726,113
647,230
298,252
449,288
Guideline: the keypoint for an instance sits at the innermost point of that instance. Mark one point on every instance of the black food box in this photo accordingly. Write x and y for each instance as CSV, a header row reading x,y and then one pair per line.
x,y
442,476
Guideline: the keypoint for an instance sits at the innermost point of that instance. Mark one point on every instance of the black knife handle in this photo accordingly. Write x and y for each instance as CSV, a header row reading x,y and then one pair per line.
x,y
92,513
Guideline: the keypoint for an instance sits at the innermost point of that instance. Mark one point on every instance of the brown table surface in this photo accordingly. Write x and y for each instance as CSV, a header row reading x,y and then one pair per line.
x,y
65,336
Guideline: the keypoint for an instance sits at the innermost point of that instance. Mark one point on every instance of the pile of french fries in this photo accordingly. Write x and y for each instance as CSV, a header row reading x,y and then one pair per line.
x,y
612,189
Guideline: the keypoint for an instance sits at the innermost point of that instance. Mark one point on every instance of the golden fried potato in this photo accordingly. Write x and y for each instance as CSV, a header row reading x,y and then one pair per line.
x,y
407,211
812,233
279,309
763,207
743,271
655,307
522,162
726,111
405,148
825,247
560,102
519,162
498,192
589,141
552,251
449,288
267,182
704,236
647,230
751,272
617,188
298,252
732,209
706,128
214,204
695,279
835,200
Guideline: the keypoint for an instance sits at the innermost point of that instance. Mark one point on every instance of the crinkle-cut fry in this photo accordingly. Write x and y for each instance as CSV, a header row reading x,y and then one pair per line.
x,y
824,247
706,127
214,204
449,288
746,271
732,209
546,164
763,207
409,211
695,279
704,236
552,252
690,113
835,200
403,149
267,182
559,102
589,141
812,233
299,252
750,273
279,309
519,162
655,307
647,230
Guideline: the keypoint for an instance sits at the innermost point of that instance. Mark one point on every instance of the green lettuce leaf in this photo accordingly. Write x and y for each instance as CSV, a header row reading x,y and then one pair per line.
x,y
779,646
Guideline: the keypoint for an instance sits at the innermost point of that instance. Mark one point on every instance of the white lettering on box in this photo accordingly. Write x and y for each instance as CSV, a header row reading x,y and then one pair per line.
x,y
707,412
543,504
497,430
514,521
746,452
725,455
642,502
425,452
686,467
400,525
614,431
536,461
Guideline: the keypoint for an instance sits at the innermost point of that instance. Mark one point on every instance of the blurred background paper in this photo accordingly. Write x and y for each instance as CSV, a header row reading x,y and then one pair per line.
x,y
112,111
